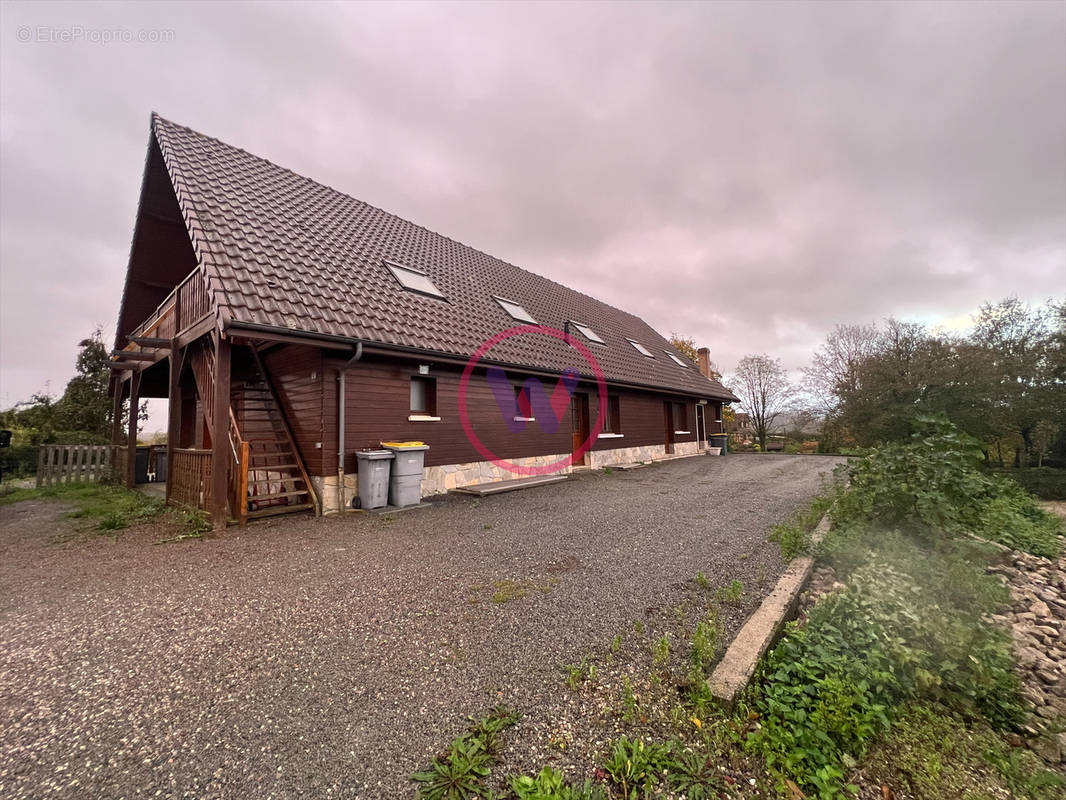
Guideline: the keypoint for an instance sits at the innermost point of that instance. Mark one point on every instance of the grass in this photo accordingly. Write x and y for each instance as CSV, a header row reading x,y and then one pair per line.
x,y
107,508
507,590
936,755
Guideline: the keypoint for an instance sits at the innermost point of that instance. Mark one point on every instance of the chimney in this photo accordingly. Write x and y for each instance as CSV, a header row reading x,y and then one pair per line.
x,y
704,354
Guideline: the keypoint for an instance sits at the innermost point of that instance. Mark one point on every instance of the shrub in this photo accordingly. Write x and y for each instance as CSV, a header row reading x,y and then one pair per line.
x,y
1047,483
901,631
936,481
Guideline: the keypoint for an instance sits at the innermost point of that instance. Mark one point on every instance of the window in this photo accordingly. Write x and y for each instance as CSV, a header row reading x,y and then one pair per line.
x,y
423,399
612,418
640,348
525,408
588,333
516,311
413,280
677,360
680,418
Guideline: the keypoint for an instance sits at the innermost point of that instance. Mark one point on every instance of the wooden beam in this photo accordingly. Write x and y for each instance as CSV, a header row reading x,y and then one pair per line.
x,y
174,400
131,442
206,324
124,365
134,355
150,341
221,457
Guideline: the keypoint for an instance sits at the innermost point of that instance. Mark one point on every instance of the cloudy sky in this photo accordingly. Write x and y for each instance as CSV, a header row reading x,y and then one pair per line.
x,y
748,175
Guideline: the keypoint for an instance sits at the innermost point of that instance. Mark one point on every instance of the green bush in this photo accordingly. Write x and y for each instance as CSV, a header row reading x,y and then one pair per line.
x,y
937,481
1047,483
831,687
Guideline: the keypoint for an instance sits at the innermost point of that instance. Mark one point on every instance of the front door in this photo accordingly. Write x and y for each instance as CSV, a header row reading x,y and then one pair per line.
x,y
579,409
668,417
701,425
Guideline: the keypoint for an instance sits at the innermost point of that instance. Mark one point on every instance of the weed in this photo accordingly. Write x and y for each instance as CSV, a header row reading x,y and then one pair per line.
x,y
616,643
459,773
638,627
635,767
507,589
551,785
702,582
660,651
578,674
629,702
730,594
704,647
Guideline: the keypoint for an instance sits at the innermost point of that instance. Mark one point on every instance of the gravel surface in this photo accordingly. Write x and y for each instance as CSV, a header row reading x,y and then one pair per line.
x,y
308,657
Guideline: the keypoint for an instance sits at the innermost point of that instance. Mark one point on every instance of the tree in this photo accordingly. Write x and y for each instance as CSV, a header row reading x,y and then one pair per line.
x,y
1020,346
686,345
82,415
85,405
764,389
833,373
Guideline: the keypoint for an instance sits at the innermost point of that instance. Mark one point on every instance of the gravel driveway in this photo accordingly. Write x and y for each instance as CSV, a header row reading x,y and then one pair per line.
x,y
333,657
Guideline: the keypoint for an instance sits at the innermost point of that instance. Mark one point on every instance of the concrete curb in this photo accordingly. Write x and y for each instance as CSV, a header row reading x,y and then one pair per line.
x,y
733,672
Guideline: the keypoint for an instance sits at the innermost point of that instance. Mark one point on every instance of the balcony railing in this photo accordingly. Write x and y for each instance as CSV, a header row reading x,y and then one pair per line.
x,y
186,305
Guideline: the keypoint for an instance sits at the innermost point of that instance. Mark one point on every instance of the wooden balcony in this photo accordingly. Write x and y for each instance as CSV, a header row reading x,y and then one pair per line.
x,y
181,315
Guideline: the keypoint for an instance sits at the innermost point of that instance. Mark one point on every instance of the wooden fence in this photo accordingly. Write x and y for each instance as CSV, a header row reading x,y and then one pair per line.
x,y
189,481
71,463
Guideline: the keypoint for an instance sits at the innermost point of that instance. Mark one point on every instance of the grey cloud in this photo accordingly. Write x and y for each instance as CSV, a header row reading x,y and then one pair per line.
x,y
745,174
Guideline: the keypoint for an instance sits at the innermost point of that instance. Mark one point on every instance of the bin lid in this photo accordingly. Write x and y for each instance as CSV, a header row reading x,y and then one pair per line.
x,y
405,445
373,455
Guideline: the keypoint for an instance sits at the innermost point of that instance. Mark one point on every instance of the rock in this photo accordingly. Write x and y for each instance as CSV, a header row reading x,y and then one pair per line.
x,y
1047,748
1047,712
1040,610
1029,657
1057,609
1048,676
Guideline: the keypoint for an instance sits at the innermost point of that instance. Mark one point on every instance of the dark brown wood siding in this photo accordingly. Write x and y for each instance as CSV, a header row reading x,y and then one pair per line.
x,y
641,418
378,407
297,374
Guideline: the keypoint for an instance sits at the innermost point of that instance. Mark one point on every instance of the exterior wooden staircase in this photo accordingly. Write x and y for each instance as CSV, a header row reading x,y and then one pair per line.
x,y
267,475
277,482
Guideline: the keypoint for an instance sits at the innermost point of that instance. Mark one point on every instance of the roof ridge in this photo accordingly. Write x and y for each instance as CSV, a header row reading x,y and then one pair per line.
x,y
157,117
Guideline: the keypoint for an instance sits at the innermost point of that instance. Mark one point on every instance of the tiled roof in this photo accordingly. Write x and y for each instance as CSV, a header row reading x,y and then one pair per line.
x,y
281,250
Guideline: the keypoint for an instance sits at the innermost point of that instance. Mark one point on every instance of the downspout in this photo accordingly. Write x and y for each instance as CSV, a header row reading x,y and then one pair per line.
x,y
341,397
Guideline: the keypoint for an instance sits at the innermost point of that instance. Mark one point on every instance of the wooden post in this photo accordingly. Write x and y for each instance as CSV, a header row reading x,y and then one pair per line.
x,y
174,401
221,457
131,442
119,388
242,485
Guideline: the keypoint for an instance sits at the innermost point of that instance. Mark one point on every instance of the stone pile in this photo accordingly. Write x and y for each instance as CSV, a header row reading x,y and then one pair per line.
x,y
1037,621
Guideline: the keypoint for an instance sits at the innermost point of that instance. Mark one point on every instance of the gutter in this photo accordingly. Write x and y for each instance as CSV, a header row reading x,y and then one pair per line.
x,y
339,342
341,397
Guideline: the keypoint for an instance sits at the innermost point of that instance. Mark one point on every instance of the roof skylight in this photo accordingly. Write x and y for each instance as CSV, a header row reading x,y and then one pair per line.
x,y
677,360
588,333
640,348
413,280
515,310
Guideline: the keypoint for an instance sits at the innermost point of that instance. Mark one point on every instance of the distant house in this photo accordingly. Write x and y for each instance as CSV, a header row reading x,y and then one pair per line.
x,y
268,308
740,426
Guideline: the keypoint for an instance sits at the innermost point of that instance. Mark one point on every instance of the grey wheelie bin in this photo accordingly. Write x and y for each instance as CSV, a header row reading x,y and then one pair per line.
x,y
405,484
374,477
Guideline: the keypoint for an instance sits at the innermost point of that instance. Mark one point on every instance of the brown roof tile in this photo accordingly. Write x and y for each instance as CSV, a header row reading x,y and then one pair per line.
x,y
279,249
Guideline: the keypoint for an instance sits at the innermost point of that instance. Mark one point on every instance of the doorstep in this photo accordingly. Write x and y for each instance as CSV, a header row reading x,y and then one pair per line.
x,y
499,487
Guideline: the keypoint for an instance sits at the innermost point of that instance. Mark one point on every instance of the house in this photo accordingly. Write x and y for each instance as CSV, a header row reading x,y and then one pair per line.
x,y
291,325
